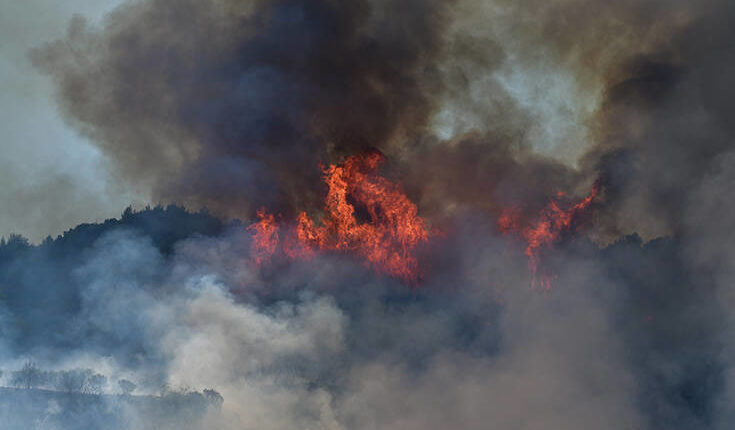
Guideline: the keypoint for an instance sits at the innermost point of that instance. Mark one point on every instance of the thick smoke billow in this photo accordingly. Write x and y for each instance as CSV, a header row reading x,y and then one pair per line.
x,y
485,112
233,104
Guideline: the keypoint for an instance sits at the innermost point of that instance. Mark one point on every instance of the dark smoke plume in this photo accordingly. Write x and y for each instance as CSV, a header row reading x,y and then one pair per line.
x,y
233,104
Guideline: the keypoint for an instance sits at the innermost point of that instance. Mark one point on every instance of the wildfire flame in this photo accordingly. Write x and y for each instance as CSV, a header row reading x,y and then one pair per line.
x,y
364,214
552,225
265,233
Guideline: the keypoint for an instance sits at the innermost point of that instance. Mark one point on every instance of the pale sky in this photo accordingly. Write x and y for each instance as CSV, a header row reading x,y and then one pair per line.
x,y
51,179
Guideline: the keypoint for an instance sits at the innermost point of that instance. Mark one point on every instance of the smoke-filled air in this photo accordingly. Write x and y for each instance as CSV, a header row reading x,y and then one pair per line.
x,y
370,215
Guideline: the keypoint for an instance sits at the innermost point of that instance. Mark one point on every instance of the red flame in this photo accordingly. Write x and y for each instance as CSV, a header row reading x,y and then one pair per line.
x,y
386,235
554,223
265,237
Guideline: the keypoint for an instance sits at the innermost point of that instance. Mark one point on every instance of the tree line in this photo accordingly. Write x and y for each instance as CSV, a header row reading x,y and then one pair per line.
x,y
84,381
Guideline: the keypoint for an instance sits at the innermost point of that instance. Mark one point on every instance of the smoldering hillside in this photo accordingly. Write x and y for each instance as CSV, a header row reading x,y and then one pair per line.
x,y
477,106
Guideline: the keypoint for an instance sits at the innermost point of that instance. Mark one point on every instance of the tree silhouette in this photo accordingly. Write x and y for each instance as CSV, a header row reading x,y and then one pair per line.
x,y
95,383
29,376
213,397
126,386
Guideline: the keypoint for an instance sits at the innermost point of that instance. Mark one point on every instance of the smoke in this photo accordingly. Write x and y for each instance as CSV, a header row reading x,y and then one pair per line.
x,y
332,344
478,107
232,104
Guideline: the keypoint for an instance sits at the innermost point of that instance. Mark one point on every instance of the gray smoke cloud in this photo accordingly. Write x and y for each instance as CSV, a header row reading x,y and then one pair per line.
x,y
169,298
51,178
478,106
233,104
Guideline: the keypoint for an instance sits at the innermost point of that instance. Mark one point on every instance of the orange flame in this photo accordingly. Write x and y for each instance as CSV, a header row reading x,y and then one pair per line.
x,y
553,224
386,235
265,237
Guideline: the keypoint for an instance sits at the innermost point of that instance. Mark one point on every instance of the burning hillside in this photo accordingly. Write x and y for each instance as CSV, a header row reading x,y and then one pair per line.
x,y
420,214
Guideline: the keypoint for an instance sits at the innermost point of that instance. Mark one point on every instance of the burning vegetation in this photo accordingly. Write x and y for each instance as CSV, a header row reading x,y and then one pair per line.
x,y
557,220
371,217
364,214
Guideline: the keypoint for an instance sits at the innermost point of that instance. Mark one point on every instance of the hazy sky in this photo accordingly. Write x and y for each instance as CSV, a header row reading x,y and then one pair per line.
x,y
51,178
